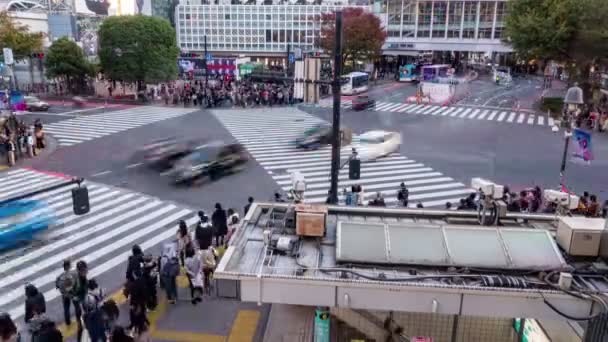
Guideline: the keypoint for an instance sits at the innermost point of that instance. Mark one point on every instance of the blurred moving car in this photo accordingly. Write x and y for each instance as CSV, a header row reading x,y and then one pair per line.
x,y
363,102
320,135
212,160
163,153
34,104
376,144
21,220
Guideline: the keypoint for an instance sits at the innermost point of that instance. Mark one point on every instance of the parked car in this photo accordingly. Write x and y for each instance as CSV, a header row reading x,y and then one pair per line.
x,y
34,104
321,135
21,220
376,144
213,160
161,154
363,102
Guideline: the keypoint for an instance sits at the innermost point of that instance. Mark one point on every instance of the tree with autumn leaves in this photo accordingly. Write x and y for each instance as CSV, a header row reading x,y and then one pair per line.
x,y
362,32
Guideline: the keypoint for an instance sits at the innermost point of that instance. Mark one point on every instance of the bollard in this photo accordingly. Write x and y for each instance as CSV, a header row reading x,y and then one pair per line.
x,y
30,146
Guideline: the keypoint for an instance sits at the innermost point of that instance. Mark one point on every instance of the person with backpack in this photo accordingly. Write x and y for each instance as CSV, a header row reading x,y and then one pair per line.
x,y
218,220
65,283
209,257
93,317
79,293
203,233
403,195
195,277
169,270
232,222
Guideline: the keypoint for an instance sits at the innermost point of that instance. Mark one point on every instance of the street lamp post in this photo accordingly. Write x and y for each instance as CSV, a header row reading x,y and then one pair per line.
x,y
335,146
572,100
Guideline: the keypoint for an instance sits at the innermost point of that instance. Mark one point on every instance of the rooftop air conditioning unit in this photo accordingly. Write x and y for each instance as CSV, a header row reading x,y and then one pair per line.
x,y
580,236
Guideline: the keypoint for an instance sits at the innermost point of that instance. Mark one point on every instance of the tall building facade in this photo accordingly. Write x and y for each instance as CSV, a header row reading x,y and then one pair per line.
x,y
249,29
444,25
413,26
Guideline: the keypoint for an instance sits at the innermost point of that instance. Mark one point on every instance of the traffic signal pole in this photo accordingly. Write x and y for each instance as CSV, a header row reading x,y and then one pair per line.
x,y
206,67
335,146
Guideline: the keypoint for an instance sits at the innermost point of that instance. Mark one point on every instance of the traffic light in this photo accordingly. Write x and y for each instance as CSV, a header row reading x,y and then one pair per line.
x,y
354,169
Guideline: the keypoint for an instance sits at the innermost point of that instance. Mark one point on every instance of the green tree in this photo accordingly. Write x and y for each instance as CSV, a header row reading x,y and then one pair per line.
x,y
571,31
18,38
138,48
363,34
66,60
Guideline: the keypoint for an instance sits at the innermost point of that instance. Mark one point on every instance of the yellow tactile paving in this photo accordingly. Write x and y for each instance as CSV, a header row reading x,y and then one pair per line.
x,y
179,336
244,326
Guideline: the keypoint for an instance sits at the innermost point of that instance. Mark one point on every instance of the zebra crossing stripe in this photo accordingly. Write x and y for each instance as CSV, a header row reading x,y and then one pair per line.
x,y
454,113
491,117
531,118
550,121
380,106
435,110
521,118
501,116
465,112
511,117
474,114
406,108
84,128
116,220
280,158
541,120
392,107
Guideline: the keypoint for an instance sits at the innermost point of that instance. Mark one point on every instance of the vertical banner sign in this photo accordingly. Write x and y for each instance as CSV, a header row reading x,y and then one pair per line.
x,y
582,147
321,325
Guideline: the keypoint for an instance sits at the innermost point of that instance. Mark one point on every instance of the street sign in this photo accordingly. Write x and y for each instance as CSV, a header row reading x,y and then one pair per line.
x,y
8,56
208,56
292,58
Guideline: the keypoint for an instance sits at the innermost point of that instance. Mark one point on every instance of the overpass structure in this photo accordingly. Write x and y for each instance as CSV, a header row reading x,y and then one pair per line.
x,y
376,262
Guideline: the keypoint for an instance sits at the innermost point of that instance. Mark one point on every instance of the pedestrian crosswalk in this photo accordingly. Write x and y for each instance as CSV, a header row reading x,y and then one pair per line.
x,y
77,130
103,237
460,112
268,135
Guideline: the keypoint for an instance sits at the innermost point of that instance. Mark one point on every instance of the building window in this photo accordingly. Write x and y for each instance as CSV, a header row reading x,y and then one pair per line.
x,y
424,18
455,19
486,20
501,11
393,33
470,20
439,18
409,19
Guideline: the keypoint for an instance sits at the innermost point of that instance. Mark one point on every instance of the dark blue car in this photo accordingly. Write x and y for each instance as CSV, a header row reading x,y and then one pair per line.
x,y
315,137
21,220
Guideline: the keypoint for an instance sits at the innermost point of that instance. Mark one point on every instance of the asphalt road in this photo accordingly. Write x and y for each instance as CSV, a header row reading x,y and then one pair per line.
x,y
517,155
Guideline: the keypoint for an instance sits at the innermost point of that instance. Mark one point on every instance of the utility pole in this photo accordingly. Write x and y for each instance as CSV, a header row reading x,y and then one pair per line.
x,y
287,63
335,146
206,68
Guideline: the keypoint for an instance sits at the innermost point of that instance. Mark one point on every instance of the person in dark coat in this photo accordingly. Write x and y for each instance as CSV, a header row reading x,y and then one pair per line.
x,y
34,302
246,209
220,225
204,232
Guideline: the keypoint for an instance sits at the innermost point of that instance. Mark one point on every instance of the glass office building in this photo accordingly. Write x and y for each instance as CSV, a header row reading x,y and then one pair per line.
x,y
474,26
249,29
413,26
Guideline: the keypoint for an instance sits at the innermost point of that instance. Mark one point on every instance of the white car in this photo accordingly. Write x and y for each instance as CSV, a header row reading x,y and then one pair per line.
x,y
377,144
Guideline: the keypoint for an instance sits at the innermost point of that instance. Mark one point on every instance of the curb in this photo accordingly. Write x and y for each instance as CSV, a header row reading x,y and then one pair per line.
x,y
24,162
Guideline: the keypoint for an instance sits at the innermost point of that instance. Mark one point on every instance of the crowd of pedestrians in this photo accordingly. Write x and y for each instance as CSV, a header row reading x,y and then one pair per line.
x,y
192,253
222,92
20,139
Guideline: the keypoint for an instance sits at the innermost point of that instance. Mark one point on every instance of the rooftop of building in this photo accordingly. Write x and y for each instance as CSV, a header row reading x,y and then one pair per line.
x,y
355,263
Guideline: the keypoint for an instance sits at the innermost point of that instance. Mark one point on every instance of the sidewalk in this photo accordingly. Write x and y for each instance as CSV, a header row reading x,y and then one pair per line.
x,y
51,146
215,319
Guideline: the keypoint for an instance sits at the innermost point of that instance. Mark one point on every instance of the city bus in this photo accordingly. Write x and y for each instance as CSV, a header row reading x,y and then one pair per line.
x,y
435,71
355,83
408,73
